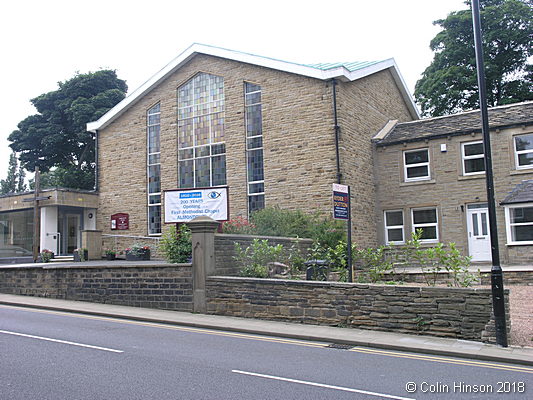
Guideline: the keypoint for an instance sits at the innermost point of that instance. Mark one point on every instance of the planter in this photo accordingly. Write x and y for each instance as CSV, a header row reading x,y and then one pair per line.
x,y
110,257
139,255
77,257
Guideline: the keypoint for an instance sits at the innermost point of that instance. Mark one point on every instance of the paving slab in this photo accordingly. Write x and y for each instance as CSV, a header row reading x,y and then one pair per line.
x,y
348,336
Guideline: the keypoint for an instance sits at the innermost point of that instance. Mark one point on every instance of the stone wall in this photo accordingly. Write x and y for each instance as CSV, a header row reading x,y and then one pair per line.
x,y
166,287
225,249
446,312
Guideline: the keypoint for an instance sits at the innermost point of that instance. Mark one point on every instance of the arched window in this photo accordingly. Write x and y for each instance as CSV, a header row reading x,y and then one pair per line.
x,y
201,147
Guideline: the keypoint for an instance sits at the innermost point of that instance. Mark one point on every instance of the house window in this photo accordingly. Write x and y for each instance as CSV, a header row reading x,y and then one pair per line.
x,y
416,165
153,129
519,223
254,147
394,227
201,147
523,146
426,220
473,158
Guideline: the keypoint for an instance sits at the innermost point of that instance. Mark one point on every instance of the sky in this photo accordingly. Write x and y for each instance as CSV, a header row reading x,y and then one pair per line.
x,y
46,42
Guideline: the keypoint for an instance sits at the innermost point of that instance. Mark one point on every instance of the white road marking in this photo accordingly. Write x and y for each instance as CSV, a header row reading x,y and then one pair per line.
x,y
61,341
345,389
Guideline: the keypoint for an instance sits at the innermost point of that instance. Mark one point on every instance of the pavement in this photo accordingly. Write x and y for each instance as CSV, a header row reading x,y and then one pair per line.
x,y
346,336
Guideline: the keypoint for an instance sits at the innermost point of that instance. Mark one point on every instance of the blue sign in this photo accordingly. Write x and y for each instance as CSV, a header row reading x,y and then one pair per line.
x,y
341,204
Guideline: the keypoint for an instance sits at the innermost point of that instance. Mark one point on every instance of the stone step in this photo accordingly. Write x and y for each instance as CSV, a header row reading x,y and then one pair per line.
x,y
62,259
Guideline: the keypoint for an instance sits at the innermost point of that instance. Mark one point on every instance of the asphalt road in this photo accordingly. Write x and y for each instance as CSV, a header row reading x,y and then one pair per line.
x,y
53,355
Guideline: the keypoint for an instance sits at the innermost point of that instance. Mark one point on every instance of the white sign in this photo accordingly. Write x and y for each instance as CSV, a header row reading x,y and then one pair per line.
x,y
340,188
185,205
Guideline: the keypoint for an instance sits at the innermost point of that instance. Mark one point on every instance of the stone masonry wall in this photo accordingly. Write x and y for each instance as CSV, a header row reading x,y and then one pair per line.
x,y
225,249
364,107
163,287
446,312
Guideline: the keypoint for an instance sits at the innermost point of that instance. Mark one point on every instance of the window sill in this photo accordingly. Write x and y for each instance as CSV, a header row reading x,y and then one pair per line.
x,y
468,177
417,182
522,171
519,244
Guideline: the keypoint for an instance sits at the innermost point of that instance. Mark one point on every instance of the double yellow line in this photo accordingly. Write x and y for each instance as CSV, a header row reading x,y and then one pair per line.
x,y
296,342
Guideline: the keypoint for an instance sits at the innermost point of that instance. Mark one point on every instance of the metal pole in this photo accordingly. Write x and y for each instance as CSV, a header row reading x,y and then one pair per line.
x,y
498,299
36,217
349,238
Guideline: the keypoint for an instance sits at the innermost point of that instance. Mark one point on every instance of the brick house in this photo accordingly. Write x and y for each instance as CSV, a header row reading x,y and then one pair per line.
x,y
430,175
265,128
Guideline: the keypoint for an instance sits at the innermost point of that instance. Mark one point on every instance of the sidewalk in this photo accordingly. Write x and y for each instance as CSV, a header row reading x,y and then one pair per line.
x,y
348,336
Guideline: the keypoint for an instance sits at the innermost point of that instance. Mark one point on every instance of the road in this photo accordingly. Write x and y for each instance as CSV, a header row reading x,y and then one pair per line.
x,y
54,355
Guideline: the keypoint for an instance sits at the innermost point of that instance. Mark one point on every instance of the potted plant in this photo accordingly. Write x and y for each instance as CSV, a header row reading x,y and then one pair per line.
x,y
46,255
81,254
110,254
138,252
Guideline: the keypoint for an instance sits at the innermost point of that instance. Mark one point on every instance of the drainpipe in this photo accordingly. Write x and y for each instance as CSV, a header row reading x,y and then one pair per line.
x,y
96,160
337,130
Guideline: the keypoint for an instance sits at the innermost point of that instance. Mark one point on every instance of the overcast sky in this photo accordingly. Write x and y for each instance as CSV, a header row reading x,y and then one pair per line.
x,y
43,42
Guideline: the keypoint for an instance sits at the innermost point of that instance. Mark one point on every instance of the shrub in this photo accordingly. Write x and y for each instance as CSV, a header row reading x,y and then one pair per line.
x,y
255,258
238,225
273,221
176,248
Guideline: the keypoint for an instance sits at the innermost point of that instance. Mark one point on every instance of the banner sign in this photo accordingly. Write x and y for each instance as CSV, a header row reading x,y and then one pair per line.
x,y
187,204
341,202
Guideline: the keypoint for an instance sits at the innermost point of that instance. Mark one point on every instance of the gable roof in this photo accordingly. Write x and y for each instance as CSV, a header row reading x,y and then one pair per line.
x,y
522,193
346,72
458,124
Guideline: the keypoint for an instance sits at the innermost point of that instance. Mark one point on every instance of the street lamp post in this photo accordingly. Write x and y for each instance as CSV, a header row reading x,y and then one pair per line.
x,y
498,299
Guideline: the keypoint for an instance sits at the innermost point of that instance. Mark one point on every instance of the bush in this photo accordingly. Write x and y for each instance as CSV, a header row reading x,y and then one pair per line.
x,y
238,225
273,221
176,248
255,258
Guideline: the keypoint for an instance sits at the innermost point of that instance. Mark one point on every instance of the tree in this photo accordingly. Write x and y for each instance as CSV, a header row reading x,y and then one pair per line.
x,y
449,84
14,181
57,135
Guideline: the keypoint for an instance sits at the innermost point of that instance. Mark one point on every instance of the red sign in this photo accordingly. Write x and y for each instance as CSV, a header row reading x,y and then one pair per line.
x,y
120,221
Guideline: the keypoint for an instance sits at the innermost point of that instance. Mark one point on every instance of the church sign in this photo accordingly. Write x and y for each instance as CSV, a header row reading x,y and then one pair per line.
x,y
120,222
183,205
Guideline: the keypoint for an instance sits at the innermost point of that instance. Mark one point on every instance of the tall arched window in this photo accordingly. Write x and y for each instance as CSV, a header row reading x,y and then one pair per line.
x,y
201,147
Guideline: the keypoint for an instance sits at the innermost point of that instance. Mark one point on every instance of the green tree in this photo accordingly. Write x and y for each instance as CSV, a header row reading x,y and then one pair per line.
x,y
9,185
449,84
57,135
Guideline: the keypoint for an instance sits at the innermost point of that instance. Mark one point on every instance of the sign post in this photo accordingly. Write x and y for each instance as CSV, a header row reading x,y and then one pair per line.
x,y
342,210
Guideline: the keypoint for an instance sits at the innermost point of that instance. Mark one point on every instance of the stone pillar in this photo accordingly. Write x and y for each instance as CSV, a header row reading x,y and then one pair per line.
x,y
92,241
203,258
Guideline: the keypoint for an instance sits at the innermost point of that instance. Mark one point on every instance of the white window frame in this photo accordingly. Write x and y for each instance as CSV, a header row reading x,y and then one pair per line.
x,y
474,157
406,167
387,227
509,225
414,226
148,165
519,152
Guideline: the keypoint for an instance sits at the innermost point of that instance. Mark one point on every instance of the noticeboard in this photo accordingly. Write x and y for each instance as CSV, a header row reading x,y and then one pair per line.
x,y
120,222
183,205
341,202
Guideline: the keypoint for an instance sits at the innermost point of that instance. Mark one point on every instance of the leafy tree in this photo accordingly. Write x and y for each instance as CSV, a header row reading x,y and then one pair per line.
x,y
57,135
14,182
9,185
449,84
